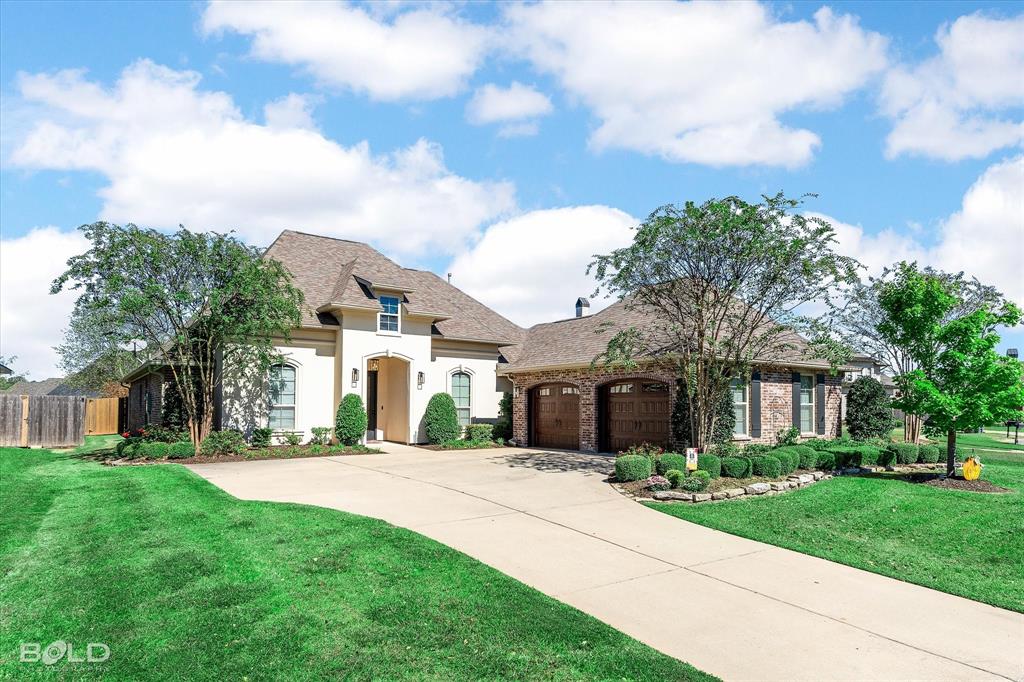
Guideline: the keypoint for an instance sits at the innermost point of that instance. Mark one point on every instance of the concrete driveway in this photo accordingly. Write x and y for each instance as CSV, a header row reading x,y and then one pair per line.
x,y
739,609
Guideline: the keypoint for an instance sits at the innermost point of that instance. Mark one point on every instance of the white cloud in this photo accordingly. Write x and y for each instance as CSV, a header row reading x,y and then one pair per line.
x,y
423,53
957,104
291,111
176,154
982,239
698,82
32,320
531,268
492,104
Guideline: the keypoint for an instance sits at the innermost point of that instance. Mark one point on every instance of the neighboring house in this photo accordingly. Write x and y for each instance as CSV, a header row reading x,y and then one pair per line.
x,y
560,401
866,366
5,370
53,386
395,336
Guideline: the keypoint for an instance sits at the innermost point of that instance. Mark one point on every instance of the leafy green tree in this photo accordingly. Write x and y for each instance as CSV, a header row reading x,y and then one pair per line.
x,y
202,303
441,419
868,413
350,422
91,357
8,380
719,286
861,314
503,424
681,418
959,381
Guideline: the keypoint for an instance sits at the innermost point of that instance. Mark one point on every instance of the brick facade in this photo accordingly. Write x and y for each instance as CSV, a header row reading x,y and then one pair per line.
x,y
145,399
776,400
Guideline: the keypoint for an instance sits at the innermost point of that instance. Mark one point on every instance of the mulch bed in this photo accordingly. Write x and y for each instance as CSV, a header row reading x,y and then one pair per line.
x,y
976,486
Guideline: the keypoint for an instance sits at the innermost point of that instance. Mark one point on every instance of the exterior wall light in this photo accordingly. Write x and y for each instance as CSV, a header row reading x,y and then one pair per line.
x,y
420,379
355,377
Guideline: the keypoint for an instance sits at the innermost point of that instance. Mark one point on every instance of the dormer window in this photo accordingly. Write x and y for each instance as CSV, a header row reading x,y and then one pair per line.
x,y
388,318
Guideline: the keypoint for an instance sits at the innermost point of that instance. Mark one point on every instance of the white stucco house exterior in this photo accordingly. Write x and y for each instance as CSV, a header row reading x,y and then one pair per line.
x,y
392,335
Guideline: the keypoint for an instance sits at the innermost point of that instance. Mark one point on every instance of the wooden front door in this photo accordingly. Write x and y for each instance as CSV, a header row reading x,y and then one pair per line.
x,y
555,414
636,411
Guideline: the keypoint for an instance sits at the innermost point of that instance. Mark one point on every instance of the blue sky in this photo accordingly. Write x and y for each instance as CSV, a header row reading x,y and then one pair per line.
x,y
504,143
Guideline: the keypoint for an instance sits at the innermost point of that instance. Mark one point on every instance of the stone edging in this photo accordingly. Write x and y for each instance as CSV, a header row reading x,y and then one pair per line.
x,y
752,490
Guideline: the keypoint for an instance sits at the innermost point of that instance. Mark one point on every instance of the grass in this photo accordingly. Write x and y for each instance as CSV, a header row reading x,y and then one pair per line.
x,y
993,439
183,581
964,543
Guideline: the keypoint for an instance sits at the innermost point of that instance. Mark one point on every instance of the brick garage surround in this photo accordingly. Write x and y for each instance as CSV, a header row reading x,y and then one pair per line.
x,y
776,400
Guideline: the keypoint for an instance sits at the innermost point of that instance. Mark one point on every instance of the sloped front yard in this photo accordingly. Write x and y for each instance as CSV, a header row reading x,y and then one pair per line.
x,y
966,543
182,581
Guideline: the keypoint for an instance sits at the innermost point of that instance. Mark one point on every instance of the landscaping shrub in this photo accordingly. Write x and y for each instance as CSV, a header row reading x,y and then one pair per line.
x,y
226,442
651,452
503,424
122,444
818,444
771,467
292,438
788,436
788,460
153,450
656,483
321,435
928,454
181,450
155,433
736,467
479,432
856,455
350,420
632,467
886,456
867,409
675,477
826,461
725,450
441,419
808,456
131,449
261,437
711,464
696,482
757,449
906,453
671,460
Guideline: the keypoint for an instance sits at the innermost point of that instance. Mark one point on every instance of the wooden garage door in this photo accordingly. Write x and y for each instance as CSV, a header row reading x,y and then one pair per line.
x,y
555,410
635,412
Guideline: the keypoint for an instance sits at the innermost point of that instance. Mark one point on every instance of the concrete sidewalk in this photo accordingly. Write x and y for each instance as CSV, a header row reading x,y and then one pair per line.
x,y
736,608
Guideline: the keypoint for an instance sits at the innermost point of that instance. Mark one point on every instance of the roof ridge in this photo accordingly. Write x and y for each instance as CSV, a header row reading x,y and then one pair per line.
x,y
475,300
324,236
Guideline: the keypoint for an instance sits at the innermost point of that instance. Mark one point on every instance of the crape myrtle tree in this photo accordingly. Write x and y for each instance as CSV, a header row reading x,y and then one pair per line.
x,y
200,302
958,379
861,314
720,285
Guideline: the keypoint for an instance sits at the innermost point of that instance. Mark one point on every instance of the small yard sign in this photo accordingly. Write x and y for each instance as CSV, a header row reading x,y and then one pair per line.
x,y
691,459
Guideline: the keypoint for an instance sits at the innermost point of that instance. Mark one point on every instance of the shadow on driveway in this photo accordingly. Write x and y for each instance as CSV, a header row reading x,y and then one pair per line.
x,y
559,461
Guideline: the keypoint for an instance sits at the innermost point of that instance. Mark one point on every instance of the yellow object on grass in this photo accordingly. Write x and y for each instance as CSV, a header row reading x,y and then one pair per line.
x,y
972,469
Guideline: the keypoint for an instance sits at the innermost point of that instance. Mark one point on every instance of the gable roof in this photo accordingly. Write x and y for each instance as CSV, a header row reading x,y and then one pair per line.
x,y
338,273
52,386
576,341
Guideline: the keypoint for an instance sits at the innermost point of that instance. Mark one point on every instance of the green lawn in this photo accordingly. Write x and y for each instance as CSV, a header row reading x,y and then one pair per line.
x,y
182,581
970,544
992,439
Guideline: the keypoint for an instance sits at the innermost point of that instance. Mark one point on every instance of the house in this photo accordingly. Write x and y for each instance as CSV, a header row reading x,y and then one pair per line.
x,y
52,386
861,365
5,370
395,336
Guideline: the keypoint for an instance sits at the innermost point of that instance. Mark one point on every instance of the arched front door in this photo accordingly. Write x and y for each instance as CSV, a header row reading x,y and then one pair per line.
x,y
635,411
555,416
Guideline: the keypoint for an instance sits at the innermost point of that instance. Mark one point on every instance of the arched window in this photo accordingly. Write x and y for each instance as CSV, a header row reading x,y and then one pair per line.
x,y
461,389
282,397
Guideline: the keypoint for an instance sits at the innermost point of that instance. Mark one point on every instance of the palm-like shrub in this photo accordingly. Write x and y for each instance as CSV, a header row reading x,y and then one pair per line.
x,y
350,420
441,419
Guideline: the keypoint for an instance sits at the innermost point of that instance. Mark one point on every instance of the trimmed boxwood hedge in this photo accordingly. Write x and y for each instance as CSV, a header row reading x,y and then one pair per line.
x,y
856,455
788,460
696,481
808,456
675,477
181,450
669,461
711,464
906,453
768,466
826,461
632,467
928,454
736,467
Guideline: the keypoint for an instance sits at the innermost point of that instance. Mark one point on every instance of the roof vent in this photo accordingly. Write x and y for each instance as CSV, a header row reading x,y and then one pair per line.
x,y
582,307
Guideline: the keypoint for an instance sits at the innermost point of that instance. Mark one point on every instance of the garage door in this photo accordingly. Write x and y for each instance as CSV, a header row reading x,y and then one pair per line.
x,y
635,412
555,410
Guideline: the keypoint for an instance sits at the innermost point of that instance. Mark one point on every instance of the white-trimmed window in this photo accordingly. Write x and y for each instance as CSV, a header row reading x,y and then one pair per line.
x,y
282,397
388,317
462,395
740,402
806,403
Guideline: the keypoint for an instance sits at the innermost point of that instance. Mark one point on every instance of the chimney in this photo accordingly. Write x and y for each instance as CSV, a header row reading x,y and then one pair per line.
x,y
449,278
582,307
1011,353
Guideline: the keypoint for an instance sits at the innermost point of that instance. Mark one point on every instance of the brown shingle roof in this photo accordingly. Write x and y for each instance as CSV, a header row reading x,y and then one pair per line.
x,y
578,341
341,272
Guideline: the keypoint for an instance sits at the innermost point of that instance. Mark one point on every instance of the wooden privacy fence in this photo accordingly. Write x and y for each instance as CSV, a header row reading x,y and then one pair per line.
x,y
47,421
101,416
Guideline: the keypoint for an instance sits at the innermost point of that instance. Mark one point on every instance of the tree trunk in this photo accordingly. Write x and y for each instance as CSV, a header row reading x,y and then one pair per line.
x,y
912,428
950,452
